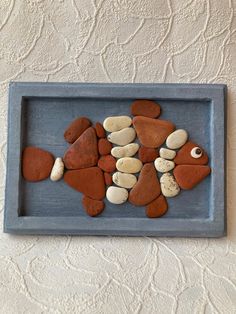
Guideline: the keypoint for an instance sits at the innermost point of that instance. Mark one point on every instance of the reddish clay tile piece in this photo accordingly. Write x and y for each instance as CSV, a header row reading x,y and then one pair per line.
x,y
83,153
107,163
188,176
108,178
146,108
93,207
36,164
147,154
157,208
152,132
147,188
76,128
101,133
104,146
184,156
89,181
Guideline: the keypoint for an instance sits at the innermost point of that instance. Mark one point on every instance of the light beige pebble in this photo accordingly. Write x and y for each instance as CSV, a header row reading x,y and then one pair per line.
x,y
169,186
116,123
116,195
167,153
57,170
125,151
177,139
125,180
122,137
163,165
129,165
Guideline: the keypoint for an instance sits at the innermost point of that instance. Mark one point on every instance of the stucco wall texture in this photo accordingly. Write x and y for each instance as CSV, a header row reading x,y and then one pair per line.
x,y
119,41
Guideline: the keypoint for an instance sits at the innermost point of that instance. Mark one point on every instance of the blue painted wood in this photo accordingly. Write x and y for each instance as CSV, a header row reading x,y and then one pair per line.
x,y
39,114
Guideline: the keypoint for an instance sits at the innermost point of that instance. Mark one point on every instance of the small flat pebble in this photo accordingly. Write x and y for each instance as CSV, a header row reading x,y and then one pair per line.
x,y
163,165
57,170
107,163
116,195
129,165
113,124
92,207
124,180
177,139
167,153
122,137
101,133
125,151
157,208
146,108
107,178
104,146
76,128
147,154
169,186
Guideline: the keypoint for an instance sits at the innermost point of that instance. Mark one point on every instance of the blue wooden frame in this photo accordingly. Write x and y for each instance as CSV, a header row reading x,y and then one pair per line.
x,y
214,226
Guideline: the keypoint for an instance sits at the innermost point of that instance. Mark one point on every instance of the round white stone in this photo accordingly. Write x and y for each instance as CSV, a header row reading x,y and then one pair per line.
x,y
125,180
125,151
163,165
169,186
122,137
57,170
113,124
129,165
177,139
116,195
167,153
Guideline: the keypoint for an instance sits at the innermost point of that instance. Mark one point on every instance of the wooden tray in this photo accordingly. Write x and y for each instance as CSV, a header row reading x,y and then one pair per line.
x,y
39,114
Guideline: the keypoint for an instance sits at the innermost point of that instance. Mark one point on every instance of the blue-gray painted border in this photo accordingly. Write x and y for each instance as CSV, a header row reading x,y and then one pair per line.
x,y
214,226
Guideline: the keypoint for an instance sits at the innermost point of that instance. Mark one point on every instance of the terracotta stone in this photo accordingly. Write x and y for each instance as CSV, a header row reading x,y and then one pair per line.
x,y
152,132
104,146
83,153
188,176
108,178
157,208
101,133
76,128
36,164
184,157
107,163
147,188
147,154
146,108
93,207
89,181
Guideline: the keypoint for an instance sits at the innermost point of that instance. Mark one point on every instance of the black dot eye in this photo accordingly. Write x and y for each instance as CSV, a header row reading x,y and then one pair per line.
x,y
196,152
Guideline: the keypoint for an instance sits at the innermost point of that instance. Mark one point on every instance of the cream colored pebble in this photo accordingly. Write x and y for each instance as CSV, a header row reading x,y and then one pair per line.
x,y
125,151
116,195
57,170
129,165
163,165
177,139
124,180
169,186
167,153
116,123
122,137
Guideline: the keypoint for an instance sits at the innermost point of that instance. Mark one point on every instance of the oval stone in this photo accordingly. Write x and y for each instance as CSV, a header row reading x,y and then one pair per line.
x,y
125,151
177,139
116,195
124,180
163,165
113,124
122,137
169,186
167,153
129,165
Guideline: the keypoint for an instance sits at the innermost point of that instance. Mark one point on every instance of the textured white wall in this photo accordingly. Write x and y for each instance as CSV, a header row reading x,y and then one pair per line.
x,y
119,41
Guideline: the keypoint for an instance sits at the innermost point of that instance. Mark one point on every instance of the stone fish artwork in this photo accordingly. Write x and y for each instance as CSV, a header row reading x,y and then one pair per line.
x,y
139,159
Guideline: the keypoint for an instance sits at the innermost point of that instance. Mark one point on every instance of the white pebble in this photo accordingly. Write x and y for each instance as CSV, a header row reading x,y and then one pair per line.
x,y
167,153
163,165
122,137
169,186
57,170
125,151
117,195
129,165
125,180
177,139
113,124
